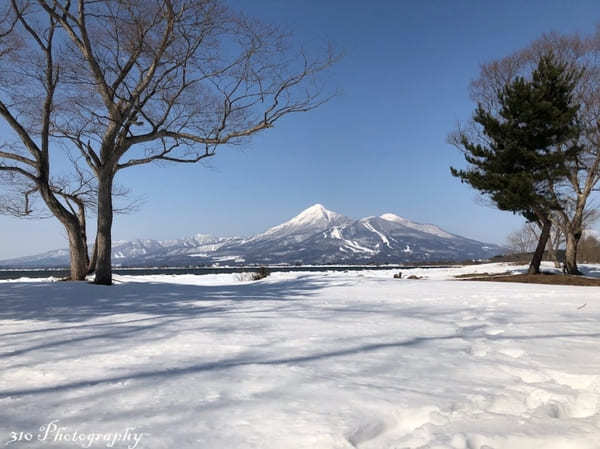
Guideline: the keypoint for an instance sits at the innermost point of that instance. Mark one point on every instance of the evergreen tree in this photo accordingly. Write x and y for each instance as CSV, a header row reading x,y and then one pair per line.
x,y
531,141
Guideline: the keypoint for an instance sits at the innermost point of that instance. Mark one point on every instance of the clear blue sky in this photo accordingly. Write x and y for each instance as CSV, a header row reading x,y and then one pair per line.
x,y
379,147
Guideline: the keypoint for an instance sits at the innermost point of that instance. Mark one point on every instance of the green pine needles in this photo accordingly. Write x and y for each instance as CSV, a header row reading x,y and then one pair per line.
x,y
528,144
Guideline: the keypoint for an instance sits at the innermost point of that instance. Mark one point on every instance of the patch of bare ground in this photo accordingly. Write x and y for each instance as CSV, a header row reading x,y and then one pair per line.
x,y
544,278
485,274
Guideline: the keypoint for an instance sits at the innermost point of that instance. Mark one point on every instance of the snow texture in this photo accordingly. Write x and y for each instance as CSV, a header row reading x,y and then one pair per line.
x,y
427,228
304,360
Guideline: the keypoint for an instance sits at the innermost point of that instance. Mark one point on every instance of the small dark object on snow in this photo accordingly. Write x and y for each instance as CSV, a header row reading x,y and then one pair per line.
x,y
398,275
412,276
260,274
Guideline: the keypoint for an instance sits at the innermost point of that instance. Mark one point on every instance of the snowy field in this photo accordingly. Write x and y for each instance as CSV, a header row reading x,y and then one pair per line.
x,y
300,360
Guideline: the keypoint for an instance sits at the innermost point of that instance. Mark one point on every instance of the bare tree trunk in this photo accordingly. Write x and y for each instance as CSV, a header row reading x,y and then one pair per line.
x,y
78,252
94,258
83,227
104,235
78,249
77,244
571,252
553,243
552,253
534,266
573,233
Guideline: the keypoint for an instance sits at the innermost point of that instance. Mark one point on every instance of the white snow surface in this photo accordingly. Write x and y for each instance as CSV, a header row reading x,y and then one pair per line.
x,y
303,360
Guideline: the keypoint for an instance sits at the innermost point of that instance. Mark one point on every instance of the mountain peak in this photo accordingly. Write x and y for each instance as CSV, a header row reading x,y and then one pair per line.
x,y
313,219
316,212
393,217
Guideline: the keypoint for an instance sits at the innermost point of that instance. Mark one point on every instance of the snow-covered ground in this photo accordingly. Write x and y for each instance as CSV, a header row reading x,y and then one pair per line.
x,y
301,360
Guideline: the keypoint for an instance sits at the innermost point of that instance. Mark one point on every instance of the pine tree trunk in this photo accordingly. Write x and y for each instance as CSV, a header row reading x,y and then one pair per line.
x,y
534,266
571,253
104,231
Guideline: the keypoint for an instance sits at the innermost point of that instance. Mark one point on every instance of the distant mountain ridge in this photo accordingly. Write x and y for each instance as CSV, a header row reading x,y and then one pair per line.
x,y
315,236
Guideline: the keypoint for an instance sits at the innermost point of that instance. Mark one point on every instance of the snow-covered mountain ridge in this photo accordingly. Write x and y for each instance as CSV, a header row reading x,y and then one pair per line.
x,y
315,236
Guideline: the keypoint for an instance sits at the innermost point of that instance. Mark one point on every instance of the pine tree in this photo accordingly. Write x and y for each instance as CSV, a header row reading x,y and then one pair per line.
x,y
531,141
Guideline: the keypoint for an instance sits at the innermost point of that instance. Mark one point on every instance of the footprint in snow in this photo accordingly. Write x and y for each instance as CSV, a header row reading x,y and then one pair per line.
x,y
366,431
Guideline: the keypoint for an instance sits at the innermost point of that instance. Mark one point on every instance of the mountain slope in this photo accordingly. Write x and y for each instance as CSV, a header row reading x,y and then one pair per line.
x,y
315,236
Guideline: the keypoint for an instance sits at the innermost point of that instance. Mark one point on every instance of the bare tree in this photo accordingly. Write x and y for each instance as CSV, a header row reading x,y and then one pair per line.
x,y
16,195
168,80
524,239
8,20
555,241
20,197
29,76
581,52
29,100
589,251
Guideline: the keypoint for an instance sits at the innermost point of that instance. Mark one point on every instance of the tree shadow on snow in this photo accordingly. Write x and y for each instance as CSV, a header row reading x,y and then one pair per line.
x,y
66,310
80,301
246,360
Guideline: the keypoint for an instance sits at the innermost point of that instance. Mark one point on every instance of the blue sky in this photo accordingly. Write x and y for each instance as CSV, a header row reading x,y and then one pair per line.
x,y
378,147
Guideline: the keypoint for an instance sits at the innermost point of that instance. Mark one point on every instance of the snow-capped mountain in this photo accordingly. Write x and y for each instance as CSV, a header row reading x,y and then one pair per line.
x,y
315,236
141,249
314,219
